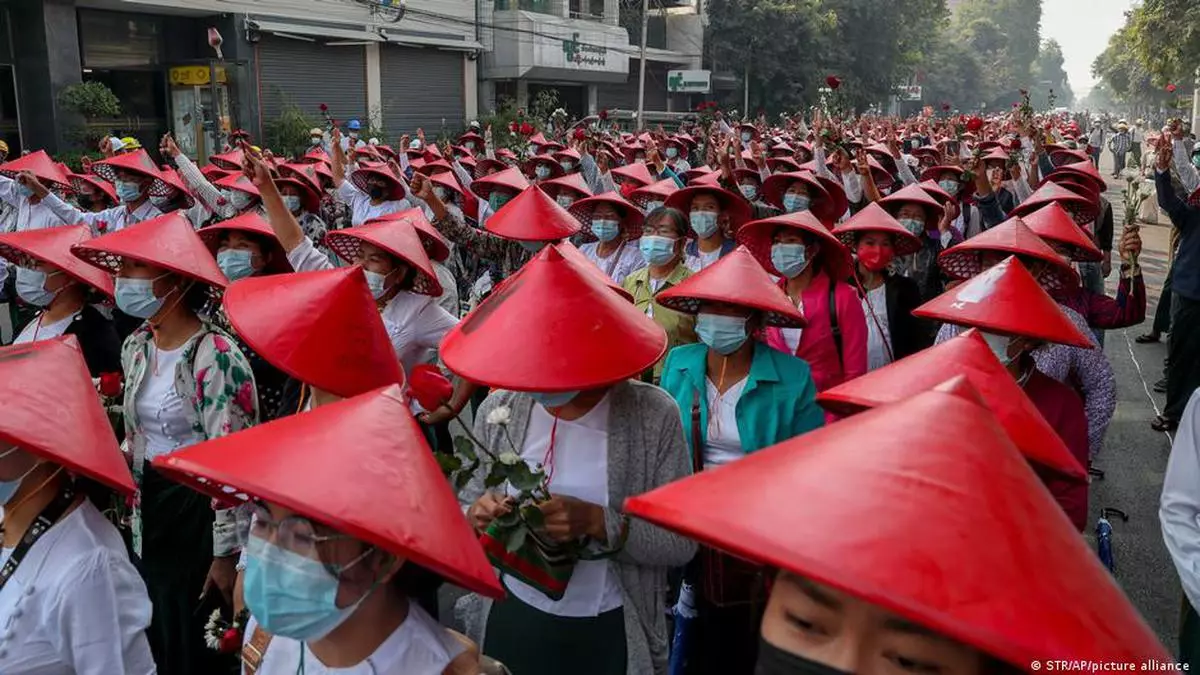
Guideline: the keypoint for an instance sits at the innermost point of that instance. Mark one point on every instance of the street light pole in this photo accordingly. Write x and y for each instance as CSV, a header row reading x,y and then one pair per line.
x,y
641,121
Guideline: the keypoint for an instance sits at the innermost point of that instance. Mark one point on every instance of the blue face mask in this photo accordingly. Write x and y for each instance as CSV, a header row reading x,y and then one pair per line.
x,y
724,334
793,202
31,286
24,191
292,202
235,264
128,191
241,200
749,191
565,201
915,226
160,203
496,200
292,595
606,229
541,171
657,250
672,151
377,283
532,246
554,400
789,259
650,206
567,166
950,186
746,136
136,297
704,223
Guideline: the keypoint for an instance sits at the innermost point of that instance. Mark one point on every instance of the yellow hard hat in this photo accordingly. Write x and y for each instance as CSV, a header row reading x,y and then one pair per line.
x,y
131,143
3,146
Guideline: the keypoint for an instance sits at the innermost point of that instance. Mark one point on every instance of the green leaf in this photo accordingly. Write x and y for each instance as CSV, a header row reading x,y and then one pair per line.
x,y
515,538
448,463
533,516
461,479
523,478
464,447
495,477
510,519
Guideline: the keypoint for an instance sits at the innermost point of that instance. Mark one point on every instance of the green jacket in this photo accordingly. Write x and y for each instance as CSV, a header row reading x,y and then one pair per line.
x,y
680,327
777,403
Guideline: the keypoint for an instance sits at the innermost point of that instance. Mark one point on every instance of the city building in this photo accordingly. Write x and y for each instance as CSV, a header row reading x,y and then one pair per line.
x,y
395,66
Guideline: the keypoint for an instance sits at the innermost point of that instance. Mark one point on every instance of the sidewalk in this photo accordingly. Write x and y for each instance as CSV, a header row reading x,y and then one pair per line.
x,y
1134,456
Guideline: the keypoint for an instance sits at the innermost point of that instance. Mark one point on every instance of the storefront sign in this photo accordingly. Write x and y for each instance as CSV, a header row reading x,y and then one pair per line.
x,y
582,53
191,76
689,81
909,93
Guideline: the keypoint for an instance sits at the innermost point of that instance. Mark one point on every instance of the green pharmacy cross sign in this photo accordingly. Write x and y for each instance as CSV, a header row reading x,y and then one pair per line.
x,y
689,81
582,53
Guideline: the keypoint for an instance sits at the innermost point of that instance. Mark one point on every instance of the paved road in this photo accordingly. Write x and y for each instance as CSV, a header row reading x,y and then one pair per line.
x,y
1135,456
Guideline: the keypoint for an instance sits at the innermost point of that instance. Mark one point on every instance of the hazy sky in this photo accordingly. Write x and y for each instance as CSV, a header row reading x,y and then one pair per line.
x,y
1082,28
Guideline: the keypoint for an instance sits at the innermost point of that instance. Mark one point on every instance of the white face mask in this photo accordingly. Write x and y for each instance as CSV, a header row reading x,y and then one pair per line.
x,y
999,346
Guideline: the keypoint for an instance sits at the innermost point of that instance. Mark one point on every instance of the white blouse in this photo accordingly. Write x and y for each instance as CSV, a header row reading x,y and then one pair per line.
x,y
36,330
76,605
580,464
879,335
620,263
723,443
419,646
160,408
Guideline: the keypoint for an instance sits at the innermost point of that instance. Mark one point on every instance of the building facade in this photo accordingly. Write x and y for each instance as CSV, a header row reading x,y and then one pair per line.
x,y
395,68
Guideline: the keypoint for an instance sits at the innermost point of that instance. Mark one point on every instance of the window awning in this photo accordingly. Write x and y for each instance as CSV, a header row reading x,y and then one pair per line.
x,y
330,33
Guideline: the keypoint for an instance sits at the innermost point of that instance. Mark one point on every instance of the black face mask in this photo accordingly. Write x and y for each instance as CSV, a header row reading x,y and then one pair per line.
x,y
377,192
85,202
774,661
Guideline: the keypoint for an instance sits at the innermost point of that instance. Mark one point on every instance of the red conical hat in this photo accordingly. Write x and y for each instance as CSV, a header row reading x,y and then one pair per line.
x,y
734,206
532,216
552,327
42,167
45,382
782,164
576,257
136,162
1063,156
510,178
450,182
736,278
436,245
317,154
1075,182
1085,169
213,172
168,241
709,179
933,172
53,245
105,187
776,185
971,545
1054,225
171,177
964,260
637,173
230,161
239,182
997,154
366,169
304,172
656,192
1005,299
882,178
758,235
631,216
914,194
531,164
873,218
397,236
694,173
434,168
934,190
251,222
572,181
310,200
322,328
967,354
360,466
1083,210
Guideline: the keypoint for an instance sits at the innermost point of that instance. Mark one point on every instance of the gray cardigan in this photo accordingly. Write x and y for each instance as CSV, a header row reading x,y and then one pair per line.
x,y
646,449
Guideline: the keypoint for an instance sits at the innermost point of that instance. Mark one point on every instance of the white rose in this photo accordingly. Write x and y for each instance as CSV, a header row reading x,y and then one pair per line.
x,y
509,458
499,416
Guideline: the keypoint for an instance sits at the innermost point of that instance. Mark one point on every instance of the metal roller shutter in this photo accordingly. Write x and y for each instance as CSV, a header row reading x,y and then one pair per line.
x,y
308,74
624,96
421,88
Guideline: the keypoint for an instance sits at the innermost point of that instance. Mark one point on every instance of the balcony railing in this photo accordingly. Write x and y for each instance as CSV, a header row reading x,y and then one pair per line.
x,y
538,6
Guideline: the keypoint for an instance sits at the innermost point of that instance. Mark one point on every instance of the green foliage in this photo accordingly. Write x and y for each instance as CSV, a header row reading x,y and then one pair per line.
x,y
92,100
501,120
288,134
1158,45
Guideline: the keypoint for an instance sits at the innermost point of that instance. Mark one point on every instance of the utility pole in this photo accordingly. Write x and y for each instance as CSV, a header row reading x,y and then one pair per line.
x,y
641,113
746,92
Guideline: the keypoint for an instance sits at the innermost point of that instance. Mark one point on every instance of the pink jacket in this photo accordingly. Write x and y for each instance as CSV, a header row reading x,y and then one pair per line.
x,y
816,342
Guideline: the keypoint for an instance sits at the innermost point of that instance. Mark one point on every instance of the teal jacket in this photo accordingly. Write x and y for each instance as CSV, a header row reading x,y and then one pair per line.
x,y
777,403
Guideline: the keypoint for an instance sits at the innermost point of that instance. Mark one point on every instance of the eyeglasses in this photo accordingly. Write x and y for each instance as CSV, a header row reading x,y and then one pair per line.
x,y
662,231
294,533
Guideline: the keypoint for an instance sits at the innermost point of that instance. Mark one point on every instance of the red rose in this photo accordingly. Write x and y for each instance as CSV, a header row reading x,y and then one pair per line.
x,y
429,386
526,129
323,107
974,124
603,114
945,107
833,81
513,126
231,641
101,226
110,384
580,134
1170,89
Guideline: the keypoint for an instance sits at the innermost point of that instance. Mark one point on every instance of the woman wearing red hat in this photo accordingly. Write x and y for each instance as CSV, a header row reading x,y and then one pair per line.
x,y
371,191
186,381
562,398
1025,329
924,217
617,225
135,178
71,599
896,599
887,298
333,557
1082,366
736,396
29,210
662,246
714,215
92,193
224,197
50,278
813,264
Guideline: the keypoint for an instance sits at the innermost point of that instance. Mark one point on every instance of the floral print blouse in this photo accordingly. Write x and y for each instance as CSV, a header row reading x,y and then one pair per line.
x,y
215,377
